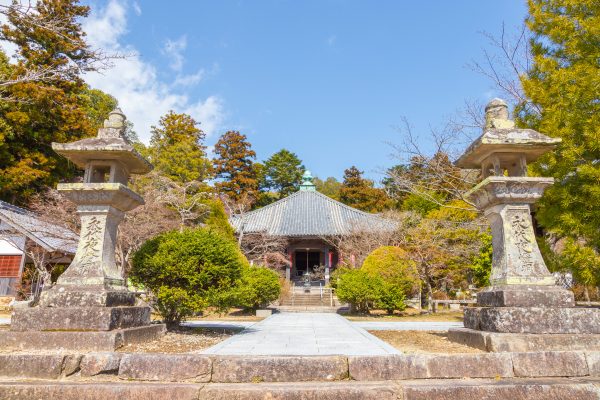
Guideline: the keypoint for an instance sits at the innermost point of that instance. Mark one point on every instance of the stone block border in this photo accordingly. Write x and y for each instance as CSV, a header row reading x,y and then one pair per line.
x,y
202,368
512,389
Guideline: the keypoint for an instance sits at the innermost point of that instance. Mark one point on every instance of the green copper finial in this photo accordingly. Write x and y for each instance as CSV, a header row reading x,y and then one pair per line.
x,y
307,184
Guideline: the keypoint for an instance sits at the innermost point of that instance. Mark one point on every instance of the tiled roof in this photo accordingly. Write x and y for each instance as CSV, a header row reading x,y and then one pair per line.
x,y
308,213
51,237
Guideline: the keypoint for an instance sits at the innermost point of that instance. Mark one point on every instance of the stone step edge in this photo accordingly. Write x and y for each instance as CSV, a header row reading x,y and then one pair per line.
x,y
202,368
406,390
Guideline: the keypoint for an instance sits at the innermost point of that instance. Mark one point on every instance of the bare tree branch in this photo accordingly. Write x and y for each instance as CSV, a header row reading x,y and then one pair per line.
x,y
96,59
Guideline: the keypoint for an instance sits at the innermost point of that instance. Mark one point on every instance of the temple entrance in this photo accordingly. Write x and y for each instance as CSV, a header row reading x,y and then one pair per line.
x,y
305,260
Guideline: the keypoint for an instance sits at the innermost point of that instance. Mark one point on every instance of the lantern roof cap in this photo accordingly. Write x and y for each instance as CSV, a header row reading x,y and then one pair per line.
x,y
501,136
109,144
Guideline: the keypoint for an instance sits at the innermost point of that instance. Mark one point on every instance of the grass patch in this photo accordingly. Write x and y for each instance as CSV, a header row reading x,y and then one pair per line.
x,y
408,315
182,340
415,342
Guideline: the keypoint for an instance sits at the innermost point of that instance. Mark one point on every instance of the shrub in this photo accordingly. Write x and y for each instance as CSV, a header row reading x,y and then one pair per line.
x,y
393,265
391,297
258,287
188,271
358,288
217,219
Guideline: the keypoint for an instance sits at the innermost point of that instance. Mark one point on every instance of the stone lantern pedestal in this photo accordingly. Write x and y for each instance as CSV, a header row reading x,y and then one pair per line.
x,y
89,307
523,309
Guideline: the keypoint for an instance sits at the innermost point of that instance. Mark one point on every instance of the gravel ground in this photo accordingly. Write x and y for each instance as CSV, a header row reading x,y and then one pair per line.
x,y
422,342
409,315
183,340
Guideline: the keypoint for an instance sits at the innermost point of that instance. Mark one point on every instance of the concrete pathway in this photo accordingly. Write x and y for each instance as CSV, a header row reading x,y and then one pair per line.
x,y
367,325
303,334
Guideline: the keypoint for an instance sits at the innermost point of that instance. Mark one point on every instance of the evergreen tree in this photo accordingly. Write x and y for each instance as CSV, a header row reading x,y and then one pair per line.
x,y
360,193
182,168
283,173
61,109
329,187
563,85
234,165
177,149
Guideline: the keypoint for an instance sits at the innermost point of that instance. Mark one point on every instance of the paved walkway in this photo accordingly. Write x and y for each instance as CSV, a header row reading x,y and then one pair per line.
x,y
367,325
303,334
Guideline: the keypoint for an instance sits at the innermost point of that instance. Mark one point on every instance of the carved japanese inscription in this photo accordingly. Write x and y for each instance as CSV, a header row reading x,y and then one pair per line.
x,y
91,244
523,232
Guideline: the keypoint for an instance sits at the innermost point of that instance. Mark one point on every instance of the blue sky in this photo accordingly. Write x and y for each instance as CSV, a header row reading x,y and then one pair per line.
x,y
327,79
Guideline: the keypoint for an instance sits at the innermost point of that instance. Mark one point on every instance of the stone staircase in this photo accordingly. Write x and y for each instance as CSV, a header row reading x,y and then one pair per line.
x,y
315,299
309,300
4,303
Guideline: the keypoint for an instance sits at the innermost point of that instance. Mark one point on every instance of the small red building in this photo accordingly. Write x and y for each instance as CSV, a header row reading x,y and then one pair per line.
x,y
22,232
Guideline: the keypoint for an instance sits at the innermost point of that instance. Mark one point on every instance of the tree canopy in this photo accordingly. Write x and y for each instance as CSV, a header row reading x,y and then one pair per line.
x,y
36,112
563,85
234,166
360,193
177,148
283,173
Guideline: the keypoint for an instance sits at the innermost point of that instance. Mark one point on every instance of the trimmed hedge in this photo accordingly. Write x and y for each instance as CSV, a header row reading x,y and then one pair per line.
x,y
393,265
188,271
258,287
365,292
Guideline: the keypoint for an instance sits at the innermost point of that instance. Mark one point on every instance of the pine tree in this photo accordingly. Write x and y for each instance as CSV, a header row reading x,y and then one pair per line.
x,y
182,168
283,173
360,193
234,165
177,149
564,85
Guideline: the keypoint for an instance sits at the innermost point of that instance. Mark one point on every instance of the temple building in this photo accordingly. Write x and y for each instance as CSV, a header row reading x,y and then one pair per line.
x,y
23,233
307,220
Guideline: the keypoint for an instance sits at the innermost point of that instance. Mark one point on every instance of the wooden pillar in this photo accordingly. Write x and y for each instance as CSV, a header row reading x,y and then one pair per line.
x,y
288,268
327,264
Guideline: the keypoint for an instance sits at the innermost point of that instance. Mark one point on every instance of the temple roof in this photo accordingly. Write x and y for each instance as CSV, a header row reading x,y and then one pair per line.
x,y
49,236
309,214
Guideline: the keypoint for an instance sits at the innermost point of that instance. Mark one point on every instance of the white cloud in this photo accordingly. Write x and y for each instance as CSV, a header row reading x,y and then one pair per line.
x,y
331,40
174,51
189,80
136,8
135,83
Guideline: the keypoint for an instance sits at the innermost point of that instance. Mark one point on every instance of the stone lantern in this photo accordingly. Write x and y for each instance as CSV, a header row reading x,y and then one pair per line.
x,y
89,307
102,199
523,300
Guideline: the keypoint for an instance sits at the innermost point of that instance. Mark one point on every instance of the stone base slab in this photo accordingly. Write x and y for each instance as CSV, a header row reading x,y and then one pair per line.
x,y
85,296
204,368
79,318
526,296
523,342
539,389
79,341
536,320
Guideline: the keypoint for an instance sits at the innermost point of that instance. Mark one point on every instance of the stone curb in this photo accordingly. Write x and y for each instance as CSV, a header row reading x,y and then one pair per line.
x,y
202,368
428,366
163,367
236,369
511,389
